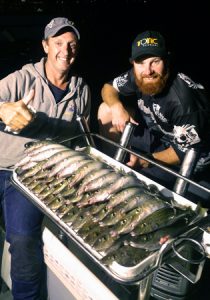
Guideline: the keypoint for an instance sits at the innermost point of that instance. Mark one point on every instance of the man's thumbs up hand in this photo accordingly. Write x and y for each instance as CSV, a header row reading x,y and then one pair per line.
x,y
17,115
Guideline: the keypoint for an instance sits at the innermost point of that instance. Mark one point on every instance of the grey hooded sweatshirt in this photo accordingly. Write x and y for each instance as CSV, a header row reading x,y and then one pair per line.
x,y
52,119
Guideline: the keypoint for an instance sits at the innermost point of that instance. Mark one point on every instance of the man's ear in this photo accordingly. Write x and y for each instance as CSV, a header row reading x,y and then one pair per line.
x,y
45,46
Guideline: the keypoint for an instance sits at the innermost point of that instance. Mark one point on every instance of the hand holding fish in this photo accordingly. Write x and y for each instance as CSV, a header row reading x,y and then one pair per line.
x,y
17,115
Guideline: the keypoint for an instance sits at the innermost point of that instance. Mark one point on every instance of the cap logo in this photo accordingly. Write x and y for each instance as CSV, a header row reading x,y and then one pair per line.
x,y
50,25
70,23
147,42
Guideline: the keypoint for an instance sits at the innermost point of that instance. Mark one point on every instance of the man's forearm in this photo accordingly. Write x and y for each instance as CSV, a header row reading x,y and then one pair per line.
x,y
110,95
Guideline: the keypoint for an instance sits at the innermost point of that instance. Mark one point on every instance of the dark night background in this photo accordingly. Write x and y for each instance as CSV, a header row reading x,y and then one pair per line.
x,y
107,30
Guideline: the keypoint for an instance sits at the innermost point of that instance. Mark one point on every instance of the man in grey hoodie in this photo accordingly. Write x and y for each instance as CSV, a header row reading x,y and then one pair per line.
x,y
57,95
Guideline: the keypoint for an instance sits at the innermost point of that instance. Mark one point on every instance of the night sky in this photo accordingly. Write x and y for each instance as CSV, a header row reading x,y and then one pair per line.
x,y
107,30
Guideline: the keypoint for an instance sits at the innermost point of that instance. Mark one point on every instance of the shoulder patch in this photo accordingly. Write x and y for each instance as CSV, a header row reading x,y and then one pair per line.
x,y
190,82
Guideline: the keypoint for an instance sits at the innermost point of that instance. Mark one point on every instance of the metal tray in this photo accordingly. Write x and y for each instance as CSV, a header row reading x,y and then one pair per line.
x,y
119,272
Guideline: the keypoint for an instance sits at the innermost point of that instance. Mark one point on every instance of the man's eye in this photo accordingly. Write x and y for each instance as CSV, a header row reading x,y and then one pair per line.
x,y
73,46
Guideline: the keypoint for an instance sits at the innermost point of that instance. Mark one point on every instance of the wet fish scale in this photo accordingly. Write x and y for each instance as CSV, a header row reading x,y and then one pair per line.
x,y
57,157
126,256
29,147
152,241
84,171
70,215
101,182
86,228
91,177
93,235
33,171
46,154
66,162
154,221
123,195
61,211
56,203
104,241
112,217
123,182
72,168
81,219
136,215
45,148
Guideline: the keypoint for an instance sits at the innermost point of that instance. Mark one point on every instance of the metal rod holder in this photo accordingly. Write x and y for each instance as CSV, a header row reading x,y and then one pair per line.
x,y
124,140
186,170
84,127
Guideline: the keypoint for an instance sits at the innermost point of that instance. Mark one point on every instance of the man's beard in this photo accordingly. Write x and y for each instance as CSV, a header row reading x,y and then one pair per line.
x,y
151,88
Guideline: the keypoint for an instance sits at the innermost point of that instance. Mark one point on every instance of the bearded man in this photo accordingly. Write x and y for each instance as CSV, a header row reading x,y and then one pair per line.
x,y
172,112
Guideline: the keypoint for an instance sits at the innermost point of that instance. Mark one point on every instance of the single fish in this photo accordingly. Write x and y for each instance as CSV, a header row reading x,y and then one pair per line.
x,y
25,167
48,199
66,162
91,177
45,193
45,148
123,182
112,217
137,215
86,228
60,187
72,168
56,203
93,234
38,189
123,195
154,240
64,209
57,157
42,174
80,220
71,215
46,154
68,192
31,146
154,221
33,171
102,181
104,241
126,256
84,171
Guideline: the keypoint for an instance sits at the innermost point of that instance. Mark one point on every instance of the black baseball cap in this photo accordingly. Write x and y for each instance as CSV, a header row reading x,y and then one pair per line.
x,y
148,43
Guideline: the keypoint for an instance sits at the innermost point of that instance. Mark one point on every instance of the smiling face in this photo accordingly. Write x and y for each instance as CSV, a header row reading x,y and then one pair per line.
x,y
61,51
150,75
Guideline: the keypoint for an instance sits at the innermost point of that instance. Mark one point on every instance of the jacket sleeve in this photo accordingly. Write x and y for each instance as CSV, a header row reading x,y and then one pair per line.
x,y
190,120
125,83
86,102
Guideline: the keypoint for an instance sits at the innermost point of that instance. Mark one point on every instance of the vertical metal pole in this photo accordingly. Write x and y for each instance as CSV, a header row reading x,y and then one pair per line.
x,y
125,138
145,288
186,170
85,129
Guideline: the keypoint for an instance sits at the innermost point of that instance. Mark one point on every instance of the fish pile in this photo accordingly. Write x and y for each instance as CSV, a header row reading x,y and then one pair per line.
x,y
114,212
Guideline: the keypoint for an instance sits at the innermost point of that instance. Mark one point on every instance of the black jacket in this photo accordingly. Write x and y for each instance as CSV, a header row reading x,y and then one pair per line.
x,y
180,115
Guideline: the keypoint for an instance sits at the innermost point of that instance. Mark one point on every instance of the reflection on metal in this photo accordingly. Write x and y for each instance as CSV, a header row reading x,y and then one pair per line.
x,y
145,287
85,129
125,138
153,162
186,170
